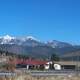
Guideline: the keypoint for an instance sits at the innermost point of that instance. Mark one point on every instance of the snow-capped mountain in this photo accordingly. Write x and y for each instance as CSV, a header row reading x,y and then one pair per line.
x,y
31,41
27,41
58,44
31,46
6,39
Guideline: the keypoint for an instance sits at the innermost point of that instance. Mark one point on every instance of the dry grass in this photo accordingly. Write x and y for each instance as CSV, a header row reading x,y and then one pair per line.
x,y
29,77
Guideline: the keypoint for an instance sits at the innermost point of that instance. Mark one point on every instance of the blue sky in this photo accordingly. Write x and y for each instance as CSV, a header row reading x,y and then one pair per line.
x,y
44,19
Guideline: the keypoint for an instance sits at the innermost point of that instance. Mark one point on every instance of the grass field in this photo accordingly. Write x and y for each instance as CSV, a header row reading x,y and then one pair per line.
x,y
23,76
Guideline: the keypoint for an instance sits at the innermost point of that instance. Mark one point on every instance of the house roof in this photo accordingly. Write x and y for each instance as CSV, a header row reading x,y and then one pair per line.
x,y
31,62
34,62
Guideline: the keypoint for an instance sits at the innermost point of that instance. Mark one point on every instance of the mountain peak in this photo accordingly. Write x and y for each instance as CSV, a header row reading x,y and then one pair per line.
x,y
32,38
7,37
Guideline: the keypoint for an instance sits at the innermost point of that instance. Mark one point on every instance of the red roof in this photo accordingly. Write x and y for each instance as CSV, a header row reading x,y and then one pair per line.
x,y
31,62
34,62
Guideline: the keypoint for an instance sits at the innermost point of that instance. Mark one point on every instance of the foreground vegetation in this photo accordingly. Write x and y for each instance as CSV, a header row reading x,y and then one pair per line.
x,y
29,77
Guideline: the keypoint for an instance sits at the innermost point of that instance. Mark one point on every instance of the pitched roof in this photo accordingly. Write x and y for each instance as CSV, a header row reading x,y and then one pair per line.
x,y
31,62
34,62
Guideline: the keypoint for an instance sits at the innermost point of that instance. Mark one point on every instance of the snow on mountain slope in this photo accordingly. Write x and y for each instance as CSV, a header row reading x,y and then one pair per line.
x,y
32,38
6,39
58,44
28,40
31,41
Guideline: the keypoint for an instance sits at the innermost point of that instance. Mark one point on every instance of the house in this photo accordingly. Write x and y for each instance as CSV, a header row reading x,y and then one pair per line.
x,y
71,65
45,65
33,64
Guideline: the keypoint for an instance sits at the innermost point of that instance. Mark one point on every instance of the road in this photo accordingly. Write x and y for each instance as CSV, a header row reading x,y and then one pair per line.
x,y
54,72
